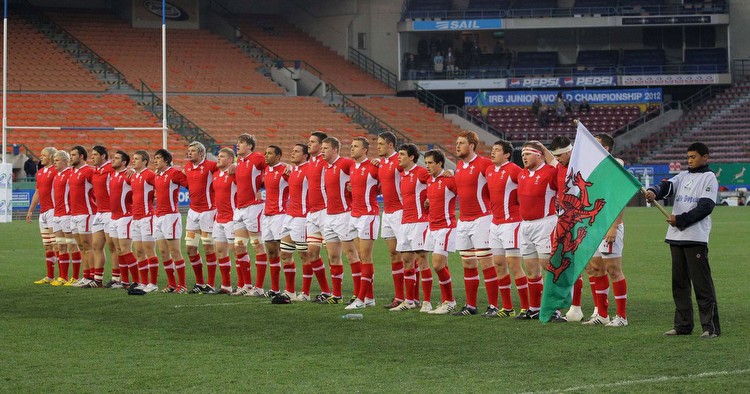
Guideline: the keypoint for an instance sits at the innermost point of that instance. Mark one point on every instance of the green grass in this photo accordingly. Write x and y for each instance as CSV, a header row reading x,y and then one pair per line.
x,y
64,339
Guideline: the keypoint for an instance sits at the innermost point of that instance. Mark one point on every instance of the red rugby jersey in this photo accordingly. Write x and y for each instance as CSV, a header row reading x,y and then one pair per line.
x,y
61,192
364,180
389,175
167,186
200,176
316,194
339,200
413,189
441,192
142,184
298,186
120,195
536,192
249,177
82,199
277,190
502,183
44,180
100,180
473,194
225,196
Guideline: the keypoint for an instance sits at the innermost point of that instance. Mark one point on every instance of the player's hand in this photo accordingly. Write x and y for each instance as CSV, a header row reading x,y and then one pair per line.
x,y
28,217
672,220
427,204
448,174
375,162
611,235
349,187
231,168
129,172
259,196
288,170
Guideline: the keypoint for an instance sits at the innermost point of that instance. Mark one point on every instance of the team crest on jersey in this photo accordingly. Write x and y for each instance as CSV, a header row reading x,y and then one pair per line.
x,y
536,179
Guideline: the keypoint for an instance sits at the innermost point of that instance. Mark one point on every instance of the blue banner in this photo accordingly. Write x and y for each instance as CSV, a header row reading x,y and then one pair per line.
x,y
526,98
463,24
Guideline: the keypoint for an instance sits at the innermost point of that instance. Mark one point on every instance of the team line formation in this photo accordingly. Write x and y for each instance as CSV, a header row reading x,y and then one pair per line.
x,y
319,198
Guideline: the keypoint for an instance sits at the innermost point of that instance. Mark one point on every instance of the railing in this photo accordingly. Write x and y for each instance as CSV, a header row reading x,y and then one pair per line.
x,y
740,69
429,98
381,73
231,19
93,57
650,10
487,72
183,125
25,148
476,120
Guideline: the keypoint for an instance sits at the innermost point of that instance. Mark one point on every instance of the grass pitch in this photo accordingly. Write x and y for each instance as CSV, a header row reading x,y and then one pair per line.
x,y
100,340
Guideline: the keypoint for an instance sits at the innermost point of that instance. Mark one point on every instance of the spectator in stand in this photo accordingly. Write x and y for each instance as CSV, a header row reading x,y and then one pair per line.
x,y
30,167
540,112
476,55
560,108
410,65
450,61
466,46
438,61
585,107
498,47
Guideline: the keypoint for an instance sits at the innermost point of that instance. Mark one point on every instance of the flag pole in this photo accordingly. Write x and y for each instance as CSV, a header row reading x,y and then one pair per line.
x,y
661,208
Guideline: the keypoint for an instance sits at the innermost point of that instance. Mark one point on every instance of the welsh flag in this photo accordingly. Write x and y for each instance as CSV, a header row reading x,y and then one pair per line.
x,y
597,189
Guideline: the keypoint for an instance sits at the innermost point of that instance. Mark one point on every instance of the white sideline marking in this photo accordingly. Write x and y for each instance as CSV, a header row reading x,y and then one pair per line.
x,y
214,304
649,380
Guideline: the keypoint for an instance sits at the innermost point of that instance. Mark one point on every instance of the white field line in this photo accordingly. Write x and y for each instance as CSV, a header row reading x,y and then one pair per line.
x,y
213,304
657,379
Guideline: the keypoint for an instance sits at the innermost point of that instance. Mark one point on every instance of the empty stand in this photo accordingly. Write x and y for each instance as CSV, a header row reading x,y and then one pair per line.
x,y
283,121
197,60
84,110
519,124
643,61
36,64
535,63
291,43
421,124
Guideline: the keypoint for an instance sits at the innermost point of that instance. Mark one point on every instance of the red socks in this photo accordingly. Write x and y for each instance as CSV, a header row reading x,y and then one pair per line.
x,y
365,286
536,285
620,288
63,262
49,259
275,274
75,260
179,266
290,271
260,270
577,289
397,270
503,285
426,285
356,276
319,269
307,275
471,281
602,293
409,281
225,267
211,267
197,264
490,283
446,287
522,285
169,269
337,276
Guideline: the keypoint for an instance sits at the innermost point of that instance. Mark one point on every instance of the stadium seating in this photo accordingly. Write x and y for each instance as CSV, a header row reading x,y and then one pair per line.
x,y
519,124
643,61
291,43
721,123
535,64
36,64
197,60
597,62
283,121
421,124
706,61
84,110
